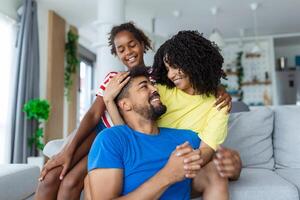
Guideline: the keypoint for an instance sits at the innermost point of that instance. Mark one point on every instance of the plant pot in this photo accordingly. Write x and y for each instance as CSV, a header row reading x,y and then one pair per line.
x,y
36,161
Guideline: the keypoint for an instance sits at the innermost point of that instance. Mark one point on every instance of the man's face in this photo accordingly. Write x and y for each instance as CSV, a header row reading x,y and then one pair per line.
x,y
145,99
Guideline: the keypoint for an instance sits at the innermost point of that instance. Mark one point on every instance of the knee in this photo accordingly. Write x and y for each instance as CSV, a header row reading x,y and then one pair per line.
x,y
69,183
50,181
52,177
215,179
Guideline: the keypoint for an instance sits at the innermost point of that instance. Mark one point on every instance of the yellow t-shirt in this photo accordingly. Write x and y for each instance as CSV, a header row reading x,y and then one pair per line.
x,y
194,112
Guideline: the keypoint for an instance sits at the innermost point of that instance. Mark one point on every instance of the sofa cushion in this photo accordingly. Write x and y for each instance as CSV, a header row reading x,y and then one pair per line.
x,y
18,181
261,184
287,136
250,134
291,175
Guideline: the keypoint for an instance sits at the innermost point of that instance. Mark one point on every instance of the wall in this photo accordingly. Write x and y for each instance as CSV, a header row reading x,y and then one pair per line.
x,y
257,89
142,17
9,7
289,51
43,39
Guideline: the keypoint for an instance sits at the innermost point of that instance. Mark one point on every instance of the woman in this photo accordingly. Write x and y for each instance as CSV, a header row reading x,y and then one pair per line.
x,y
188,69
63,175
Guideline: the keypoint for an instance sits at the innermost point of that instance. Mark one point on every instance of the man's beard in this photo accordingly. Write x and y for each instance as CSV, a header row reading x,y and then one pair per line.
x,y
151,112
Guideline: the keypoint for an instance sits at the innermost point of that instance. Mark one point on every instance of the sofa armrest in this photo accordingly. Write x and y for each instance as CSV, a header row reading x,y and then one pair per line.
x,y
55,146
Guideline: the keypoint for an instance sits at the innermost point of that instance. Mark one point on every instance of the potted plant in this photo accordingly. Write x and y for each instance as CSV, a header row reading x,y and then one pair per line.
x,y
38,110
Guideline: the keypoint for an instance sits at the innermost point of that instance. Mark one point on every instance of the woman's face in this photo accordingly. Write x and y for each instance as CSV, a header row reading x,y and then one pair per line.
x,y
180,79
129,50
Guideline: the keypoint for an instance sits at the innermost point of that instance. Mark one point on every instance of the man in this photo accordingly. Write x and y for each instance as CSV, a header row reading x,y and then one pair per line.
x,y
140,160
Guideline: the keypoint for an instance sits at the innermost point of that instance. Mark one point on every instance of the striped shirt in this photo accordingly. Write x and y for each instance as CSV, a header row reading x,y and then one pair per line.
x,y
106,119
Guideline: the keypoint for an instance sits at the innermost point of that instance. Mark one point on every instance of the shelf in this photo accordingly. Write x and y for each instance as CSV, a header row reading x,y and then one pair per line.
x,y
256,83
231,73
235,95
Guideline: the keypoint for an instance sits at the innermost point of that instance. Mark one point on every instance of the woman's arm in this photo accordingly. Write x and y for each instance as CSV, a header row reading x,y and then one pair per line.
x,y
223,99
206,153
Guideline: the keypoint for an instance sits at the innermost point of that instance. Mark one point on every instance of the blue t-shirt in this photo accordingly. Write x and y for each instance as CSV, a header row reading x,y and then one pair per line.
x,y
140,155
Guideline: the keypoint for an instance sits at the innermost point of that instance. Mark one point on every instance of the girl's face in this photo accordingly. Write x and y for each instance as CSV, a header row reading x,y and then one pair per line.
x,y
180,79
129,50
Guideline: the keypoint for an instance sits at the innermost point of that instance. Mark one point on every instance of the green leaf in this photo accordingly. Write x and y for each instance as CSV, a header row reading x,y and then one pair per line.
x,y
72,61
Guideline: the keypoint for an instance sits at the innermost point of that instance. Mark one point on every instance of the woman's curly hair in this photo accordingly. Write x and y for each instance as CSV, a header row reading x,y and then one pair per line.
x,y
130,27
197,57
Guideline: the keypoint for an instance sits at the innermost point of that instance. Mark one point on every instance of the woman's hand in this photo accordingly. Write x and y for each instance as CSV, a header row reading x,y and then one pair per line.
x,y
115,86
228,163
63,159
223,99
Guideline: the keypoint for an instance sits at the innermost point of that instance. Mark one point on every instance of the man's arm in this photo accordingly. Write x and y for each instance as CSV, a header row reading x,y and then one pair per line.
x,y
106,184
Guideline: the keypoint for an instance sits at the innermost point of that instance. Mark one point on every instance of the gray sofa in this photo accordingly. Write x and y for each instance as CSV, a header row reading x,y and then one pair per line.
x,y
267,139
18,181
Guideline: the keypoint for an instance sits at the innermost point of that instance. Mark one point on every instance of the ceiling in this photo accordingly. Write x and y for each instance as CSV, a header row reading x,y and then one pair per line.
x,y
274,16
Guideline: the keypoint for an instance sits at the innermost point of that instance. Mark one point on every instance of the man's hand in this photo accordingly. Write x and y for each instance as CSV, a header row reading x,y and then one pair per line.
x,y
115,86
63,159
192,160
223,99
184,162
228,163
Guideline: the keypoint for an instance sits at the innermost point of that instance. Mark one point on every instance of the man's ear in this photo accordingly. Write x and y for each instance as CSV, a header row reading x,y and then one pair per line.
x,y
125,105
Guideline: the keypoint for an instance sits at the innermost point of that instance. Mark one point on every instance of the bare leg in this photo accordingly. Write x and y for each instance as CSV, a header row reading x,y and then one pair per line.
x,y
72,185
210,184
87,189
48,188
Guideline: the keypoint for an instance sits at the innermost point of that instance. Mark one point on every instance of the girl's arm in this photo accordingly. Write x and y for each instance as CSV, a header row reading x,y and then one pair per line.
x,y
113,111
113,89
88,123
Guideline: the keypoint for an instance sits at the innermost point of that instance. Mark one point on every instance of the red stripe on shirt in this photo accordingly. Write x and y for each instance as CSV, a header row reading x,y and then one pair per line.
x,y
102,87
105,121
107,80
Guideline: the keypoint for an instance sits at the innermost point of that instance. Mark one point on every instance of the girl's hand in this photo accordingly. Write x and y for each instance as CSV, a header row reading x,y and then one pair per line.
x,y
115,86
63,159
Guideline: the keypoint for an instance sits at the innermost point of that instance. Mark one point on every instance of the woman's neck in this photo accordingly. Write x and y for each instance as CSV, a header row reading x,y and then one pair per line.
x,y
190,91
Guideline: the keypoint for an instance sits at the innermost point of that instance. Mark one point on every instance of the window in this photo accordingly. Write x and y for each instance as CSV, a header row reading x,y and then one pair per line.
x,y
7,41
85,88
86,97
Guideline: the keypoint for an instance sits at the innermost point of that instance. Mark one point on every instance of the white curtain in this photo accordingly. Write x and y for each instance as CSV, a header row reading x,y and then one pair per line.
x,y
7,52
